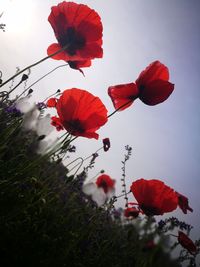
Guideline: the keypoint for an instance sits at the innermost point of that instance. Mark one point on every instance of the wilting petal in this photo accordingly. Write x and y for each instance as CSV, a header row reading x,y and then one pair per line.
x,y
156,92
187,243
183,203
123,95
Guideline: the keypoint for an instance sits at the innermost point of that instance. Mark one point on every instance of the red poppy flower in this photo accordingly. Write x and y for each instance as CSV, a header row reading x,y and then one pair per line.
x,y
105,182
80,29
52,102
106,144
81,113
152,87
183,203
154,197
186,242
55,121
131,212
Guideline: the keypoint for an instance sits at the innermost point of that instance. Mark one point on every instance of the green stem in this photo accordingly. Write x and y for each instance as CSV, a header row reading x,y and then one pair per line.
x,y
38,81
33,65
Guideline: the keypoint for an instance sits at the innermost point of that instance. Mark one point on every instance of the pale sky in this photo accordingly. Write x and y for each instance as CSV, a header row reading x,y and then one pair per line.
x,y
165,138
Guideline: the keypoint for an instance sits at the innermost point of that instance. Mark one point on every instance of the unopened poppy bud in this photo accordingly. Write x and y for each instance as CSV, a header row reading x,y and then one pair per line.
x,y
24,77
58,91
106,144
30,91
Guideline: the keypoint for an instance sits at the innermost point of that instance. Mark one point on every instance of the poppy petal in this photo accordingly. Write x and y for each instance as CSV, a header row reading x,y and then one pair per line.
x,y
91,51
90,31
53,48
186,242
122,94
155,71
154,197
156,92
183,203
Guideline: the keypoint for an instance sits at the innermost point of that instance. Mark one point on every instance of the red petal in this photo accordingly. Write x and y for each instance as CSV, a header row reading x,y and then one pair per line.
x,y
80,107
156,92
74,14
186,242
154,197
122,94
52,102
53,48
183,203
90,51
155,71
63,55
105,182
90,31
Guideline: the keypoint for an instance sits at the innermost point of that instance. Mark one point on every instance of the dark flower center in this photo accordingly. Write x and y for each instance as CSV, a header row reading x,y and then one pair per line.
x,y
150,211
141,89
73,40
74,127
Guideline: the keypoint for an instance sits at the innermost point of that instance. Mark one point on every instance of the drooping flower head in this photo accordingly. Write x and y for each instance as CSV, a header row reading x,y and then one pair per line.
x,y
183,203
106,144
186,242
78,28
100,190
151,87
154,197
81,113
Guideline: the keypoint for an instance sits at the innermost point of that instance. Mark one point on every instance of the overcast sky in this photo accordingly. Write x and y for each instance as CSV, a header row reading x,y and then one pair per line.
x,y
165,138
